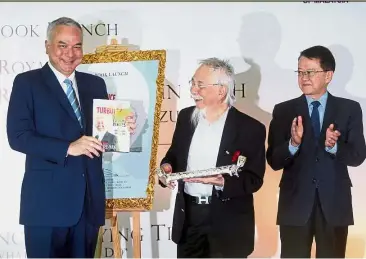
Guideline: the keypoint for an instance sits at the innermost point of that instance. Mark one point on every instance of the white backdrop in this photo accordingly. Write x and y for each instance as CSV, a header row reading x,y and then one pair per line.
x,y
263,40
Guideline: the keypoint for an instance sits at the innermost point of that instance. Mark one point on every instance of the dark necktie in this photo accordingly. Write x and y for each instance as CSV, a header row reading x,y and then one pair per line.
x,y
315,119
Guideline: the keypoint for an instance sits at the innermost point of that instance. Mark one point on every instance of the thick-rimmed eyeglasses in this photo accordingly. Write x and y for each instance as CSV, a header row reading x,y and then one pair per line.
x,y
309,73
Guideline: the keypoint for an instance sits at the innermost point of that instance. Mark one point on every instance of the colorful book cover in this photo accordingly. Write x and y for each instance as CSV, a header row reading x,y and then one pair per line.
x,y
110,127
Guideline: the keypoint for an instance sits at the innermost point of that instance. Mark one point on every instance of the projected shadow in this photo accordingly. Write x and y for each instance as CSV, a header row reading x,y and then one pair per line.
x,y
259,41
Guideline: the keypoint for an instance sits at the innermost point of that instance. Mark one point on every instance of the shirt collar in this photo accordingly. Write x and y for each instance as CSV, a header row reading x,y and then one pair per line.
x,y
59,75
322,100
221,118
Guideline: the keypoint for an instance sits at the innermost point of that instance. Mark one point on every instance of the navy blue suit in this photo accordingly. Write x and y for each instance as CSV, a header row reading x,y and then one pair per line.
x,y
58,191
315,189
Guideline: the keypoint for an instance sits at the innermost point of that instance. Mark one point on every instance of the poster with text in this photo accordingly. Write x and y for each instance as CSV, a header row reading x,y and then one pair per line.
x,y
127,174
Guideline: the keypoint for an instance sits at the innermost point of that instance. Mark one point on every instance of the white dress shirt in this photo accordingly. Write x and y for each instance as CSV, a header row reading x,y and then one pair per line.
x,y
61,78
203,152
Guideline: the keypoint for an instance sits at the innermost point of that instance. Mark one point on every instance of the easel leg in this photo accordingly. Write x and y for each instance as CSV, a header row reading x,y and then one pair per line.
x,y
136,234
115,236
98,249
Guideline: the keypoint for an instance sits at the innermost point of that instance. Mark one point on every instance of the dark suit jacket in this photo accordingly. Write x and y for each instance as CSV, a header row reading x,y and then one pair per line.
x,y
312,165
42,124
232,209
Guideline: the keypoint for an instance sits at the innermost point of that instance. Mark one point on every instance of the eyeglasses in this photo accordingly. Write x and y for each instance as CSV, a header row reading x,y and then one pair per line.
x,y
308,73
199,85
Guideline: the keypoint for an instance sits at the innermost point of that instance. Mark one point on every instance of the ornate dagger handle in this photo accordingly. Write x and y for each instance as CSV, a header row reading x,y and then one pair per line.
x,y
228,169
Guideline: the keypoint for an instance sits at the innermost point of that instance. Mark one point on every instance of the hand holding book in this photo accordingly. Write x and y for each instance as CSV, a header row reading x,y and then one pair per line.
x,y
85,145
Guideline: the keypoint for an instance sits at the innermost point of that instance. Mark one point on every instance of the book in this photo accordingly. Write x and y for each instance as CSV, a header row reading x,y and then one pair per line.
x,y
110,127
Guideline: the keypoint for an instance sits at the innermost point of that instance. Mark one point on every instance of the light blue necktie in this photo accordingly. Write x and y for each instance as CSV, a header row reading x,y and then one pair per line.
x,y
71,95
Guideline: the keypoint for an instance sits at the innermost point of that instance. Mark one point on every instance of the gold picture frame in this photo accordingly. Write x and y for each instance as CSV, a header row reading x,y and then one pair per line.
x,y
115,55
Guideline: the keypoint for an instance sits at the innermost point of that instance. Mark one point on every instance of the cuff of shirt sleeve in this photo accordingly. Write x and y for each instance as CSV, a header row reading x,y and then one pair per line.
x,y
292,148
219,188
332,150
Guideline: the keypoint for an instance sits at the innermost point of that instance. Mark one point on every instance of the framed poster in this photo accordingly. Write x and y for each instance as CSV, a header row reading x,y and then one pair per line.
x,y
136,77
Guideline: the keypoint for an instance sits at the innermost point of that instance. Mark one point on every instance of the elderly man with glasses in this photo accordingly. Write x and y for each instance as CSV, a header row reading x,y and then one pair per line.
x,y
214,216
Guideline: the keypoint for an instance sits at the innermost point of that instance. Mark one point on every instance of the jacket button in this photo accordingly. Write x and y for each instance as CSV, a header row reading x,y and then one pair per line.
x,y
317,159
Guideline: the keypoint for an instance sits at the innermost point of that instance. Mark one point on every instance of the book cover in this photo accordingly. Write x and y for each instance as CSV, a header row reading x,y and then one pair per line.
x,y
109,119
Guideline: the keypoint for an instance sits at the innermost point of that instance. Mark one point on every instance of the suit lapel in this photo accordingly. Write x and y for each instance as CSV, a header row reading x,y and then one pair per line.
x,y
52,82
227,141
228,137
329,117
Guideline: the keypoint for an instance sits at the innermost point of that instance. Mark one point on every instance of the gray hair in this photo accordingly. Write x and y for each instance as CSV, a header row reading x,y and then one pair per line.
x,y
62,21
226,78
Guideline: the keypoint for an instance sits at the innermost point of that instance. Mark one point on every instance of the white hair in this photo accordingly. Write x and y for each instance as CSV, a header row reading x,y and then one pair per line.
x,y
62,21
225,77
197,114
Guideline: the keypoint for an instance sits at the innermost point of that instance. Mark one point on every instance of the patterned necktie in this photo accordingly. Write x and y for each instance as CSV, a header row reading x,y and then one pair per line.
x,y
315,119
71,95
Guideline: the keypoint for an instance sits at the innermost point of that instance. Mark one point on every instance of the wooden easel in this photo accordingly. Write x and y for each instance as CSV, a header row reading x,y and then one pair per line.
x,y
114,52
112,216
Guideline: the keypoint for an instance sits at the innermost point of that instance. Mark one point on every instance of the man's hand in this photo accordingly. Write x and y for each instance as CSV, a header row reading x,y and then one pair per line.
x,y
217,180
331,136
297,131
167,168
85,145
131,122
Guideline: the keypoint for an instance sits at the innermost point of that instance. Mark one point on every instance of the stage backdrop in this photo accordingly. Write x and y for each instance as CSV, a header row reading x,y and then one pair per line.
x,y
263,40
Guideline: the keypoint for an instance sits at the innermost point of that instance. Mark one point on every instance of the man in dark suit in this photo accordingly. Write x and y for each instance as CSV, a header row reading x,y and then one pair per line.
x,y
50,120
109,140
214,216
313,138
